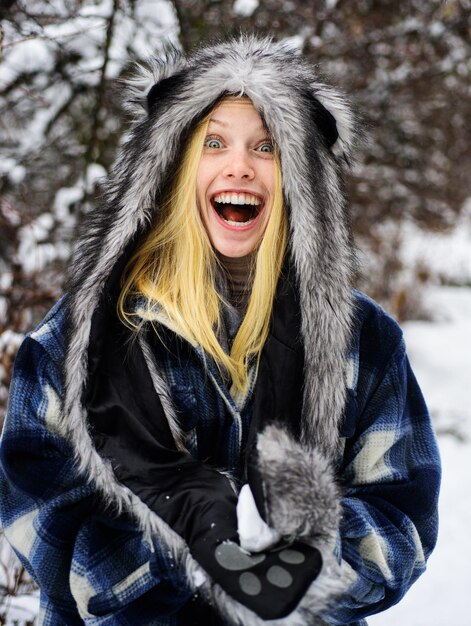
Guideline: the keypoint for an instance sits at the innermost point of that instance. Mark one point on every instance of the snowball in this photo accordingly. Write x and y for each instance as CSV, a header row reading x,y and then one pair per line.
x,y
254,534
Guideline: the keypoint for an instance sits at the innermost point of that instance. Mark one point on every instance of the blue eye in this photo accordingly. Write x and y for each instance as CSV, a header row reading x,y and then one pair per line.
x,y
212,142
266,147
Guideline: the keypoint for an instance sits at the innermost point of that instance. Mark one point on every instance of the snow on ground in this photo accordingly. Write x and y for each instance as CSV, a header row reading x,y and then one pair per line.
x,y
14,610
21,609
441,357
447,256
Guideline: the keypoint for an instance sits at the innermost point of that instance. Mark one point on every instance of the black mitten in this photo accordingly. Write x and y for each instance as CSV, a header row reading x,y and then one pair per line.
x,y
270,583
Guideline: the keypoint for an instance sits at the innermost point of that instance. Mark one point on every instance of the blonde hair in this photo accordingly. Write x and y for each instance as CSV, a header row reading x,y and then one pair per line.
x,y
174,268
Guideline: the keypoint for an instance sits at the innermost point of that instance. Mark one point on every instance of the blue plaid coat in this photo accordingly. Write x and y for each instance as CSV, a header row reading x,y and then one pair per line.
x,y
95,566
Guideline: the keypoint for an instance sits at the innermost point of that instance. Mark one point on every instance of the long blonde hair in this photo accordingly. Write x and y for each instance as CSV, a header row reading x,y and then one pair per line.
x,y
174,268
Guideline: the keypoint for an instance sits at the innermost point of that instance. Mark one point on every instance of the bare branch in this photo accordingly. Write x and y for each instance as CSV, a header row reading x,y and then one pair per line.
x,y
93,142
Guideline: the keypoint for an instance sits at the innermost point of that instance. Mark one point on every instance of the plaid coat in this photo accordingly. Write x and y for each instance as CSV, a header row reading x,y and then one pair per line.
x,y
121,460
96,566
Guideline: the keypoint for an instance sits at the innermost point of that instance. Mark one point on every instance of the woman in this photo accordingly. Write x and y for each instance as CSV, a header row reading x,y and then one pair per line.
x,y
211,427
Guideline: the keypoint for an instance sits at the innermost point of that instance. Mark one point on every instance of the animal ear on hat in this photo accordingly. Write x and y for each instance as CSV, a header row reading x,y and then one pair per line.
x,y
325,122
163,90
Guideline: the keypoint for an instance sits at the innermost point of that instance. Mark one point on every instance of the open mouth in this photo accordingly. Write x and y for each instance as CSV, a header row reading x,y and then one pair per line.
x,y
237,209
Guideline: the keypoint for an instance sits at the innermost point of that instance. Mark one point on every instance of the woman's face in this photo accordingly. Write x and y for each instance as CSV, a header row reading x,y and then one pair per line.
x,y
235,183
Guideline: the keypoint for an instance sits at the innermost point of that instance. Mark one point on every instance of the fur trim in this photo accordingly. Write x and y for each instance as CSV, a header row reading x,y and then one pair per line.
x,y
162,390
302,498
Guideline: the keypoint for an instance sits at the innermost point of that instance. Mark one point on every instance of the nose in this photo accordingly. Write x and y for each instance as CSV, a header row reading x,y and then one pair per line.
x,y
239,166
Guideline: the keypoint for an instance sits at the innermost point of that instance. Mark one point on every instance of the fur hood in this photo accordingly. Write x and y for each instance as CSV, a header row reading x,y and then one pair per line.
x,y
314,129
293,101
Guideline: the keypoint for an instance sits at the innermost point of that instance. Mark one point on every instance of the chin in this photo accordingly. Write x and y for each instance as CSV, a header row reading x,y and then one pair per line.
x,y
234,250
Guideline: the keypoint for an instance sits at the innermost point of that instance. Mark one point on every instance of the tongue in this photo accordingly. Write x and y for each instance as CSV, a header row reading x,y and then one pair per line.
x,y
236,212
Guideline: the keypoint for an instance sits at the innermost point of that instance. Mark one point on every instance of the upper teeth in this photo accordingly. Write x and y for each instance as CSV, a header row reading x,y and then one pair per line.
x,y
237,198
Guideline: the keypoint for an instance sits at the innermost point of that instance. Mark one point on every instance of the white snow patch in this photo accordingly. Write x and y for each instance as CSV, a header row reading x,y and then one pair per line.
x,y
153,25
159,13
64,198
16,610
10,341
447,256
97,9
245,8
30,55
95,172
14,170
6,280
441,357
21,609
34,251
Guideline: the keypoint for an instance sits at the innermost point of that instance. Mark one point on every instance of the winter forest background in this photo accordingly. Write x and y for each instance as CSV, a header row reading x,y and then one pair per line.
x,y
406,66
